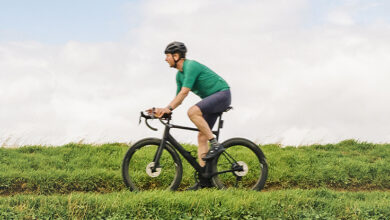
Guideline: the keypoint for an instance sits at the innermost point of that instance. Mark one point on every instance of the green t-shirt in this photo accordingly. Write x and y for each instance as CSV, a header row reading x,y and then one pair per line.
x,y
200,79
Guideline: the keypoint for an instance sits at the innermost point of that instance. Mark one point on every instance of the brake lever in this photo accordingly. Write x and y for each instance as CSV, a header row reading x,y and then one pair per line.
x,y
147,117
153,116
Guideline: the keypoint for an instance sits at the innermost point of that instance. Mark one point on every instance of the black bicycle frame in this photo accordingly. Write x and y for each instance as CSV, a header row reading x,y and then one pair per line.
x,y
167,137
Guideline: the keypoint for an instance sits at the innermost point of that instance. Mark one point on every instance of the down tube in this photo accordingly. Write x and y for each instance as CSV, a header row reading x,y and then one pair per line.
x,y
183,152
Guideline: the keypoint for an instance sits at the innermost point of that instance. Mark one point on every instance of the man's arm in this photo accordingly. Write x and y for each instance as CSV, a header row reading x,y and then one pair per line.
x,y
179,98
175,102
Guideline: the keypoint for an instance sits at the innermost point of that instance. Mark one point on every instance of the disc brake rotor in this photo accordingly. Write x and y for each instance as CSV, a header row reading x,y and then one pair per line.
x,y
149,168
244,169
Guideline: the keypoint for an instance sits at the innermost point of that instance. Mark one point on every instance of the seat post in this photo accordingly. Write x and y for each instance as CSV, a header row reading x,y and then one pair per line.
x,y
220,122
220,125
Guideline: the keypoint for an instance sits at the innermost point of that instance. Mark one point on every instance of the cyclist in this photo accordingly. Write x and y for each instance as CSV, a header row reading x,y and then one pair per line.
x,y
215,94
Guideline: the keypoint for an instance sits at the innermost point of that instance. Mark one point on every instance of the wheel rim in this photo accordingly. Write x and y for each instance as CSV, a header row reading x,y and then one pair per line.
x,y
141,175
247,159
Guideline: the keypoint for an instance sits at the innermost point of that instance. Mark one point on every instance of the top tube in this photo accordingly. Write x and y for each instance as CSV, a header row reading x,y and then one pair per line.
x,y
168,118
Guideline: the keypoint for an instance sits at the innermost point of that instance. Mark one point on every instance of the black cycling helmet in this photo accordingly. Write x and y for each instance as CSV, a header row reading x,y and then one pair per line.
x,y
176,47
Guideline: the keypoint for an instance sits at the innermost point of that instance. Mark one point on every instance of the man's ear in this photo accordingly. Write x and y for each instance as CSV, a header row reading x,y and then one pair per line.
x,y
176,57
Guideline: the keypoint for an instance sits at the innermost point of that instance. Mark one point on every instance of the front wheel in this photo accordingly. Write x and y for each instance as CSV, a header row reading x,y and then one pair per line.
x,y
245,164
139,171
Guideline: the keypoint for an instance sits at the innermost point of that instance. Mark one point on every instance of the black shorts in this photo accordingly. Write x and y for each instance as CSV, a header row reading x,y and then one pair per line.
x,y
213,105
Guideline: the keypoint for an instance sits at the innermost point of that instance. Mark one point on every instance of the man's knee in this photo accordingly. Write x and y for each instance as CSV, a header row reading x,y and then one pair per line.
x,y
194,110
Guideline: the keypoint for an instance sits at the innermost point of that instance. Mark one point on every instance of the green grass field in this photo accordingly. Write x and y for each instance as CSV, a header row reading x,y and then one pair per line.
x,y
346,180
203,204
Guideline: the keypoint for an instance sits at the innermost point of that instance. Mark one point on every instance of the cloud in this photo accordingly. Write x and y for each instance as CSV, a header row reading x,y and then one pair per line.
x,y
291,84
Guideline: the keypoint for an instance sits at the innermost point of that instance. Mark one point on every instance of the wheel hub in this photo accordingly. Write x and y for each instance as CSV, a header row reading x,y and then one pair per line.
x,y
244,170
149,170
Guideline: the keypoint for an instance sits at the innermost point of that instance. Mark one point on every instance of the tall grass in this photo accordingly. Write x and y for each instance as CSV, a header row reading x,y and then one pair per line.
x,y
203,204
348,165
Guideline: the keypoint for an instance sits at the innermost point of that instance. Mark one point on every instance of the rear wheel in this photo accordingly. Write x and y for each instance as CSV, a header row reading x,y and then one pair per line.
x,y
139,171
248,161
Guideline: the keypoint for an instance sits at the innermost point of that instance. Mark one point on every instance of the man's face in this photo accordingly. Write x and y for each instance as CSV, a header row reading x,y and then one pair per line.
x,y
169,59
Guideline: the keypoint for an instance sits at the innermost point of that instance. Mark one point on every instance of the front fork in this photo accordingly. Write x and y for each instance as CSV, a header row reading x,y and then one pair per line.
x,y
160,149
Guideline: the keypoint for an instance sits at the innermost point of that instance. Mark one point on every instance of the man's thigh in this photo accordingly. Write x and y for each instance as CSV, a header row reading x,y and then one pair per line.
x,y
211,119
213,105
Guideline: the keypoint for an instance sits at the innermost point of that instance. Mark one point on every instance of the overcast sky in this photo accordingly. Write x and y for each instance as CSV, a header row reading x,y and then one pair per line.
x,y
300,71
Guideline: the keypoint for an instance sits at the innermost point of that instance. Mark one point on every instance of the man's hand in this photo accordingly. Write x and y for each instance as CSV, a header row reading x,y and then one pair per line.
x,y
158,112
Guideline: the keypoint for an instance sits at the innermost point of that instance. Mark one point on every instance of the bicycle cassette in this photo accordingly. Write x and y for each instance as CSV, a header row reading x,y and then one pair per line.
x,y
244,169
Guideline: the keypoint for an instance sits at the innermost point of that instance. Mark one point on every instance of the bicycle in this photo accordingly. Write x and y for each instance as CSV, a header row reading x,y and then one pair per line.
x,y
155,163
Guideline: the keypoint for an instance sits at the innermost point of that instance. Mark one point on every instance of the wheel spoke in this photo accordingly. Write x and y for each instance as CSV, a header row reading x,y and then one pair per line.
x,y
139,171
245,155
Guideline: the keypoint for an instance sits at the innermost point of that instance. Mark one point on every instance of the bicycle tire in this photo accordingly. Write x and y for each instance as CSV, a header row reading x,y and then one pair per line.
x,y
248,153
137,162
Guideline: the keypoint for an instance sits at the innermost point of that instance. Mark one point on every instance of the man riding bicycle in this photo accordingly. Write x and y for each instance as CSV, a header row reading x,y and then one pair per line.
x,y
215,94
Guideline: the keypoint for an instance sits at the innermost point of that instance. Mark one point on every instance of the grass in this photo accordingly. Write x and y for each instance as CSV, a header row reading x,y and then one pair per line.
x,y
348,165
203,204
347,180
